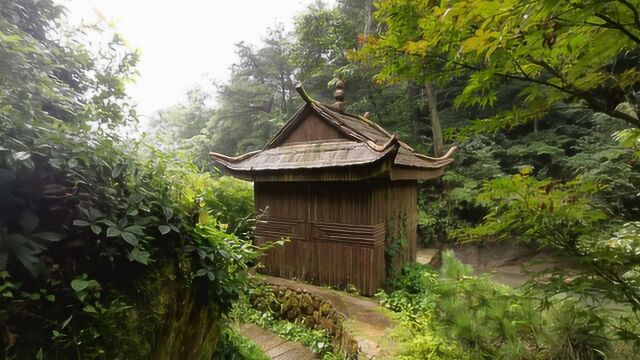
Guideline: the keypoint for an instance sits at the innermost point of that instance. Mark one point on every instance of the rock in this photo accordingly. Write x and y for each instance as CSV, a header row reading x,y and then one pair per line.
x,y
328,325
494,255
317,317
436,260
292,314
316,302
308,321
324,308
300,306
274,306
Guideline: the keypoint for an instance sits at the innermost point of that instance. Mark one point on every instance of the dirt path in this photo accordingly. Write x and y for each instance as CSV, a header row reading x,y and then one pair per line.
x,y
273,345
510,275
366,321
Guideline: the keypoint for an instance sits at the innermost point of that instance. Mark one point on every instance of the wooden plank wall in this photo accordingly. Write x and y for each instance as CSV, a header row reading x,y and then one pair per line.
x,y
401,200
313,128
336,229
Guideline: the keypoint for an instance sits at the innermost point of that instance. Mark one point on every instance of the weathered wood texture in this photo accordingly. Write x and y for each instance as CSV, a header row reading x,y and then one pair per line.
x,y
311,129
336,230
378,169
342,190
318,143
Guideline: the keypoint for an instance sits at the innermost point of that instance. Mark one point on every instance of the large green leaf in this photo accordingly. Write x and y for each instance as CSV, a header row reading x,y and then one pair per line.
x,y
79,284
48,236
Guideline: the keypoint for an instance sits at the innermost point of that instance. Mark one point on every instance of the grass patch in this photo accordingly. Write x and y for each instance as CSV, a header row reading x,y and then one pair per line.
x,y
233,346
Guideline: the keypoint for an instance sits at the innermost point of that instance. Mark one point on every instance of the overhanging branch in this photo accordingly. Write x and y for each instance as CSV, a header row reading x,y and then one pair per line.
x,y
594,104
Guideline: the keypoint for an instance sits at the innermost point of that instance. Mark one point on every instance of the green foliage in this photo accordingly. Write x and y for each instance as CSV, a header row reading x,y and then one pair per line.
x,y
558,51
395,242
471,317
573,331
317,341
233,346
561,217
233,203
453,268
540,211
421,344
87,215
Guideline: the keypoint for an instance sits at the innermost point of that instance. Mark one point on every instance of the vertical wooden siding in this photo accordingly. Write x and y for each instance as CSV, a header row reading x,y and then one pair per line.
x,y
401,205
337,230
311,129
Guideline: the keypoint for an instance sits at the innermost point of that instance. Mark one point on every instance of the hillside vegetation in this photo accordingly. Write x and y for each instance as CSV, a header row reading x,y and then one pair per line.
x,y
109,249
122,242
540,97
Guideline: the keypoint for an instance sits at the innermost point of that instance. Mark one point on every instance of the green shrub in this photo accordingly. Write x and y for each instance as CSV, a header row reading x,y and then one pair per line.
x,y
232,200
428,345
456,315
108,247
573,331
453,268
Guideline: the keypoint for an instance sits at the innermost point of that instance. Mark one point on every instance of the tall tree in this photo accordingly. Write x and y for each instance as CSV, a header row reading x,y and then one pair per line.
x,y
434,116
401,25
269,64
184,121
582,52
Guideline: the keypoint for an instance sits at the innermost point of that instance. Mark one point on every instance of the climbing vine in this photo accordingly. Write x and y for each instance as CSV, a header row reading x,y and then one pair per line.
x,y
395,241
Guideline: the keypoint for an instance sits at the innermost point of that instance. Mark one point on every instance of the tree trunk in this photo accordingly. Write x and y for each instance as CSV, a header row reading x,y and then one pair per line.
x,y
432,104
283,91
368,18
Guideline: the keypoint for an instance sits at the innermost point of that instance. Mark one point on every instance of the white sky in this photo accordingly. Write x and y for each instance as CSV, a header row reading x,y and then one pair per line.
x,y
184,42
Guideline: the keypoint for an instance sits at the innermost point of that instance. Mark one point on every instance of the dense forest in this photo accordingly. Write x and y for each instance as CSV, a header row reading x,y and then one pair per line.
x,y
122,246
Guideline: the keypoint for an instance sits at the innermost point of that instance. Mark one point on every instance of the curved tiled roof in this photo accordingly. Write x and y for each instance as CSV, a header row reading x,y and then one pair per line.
x,y
310,155
366,143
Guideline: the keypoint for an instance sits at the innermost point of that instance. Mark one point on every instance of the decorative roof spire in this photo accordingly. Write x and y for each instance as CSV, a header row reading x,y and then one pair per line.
x,y
339,96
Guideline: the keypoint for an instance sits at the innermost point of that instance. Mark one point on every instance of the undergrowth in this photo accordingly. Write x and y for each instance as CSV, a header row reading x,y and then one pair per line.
x,y
233,346
453,315
317,341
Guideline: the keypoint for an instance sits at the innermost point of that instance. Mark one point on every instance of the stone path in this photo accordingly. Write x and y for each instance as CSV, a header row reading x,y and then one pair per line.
x,y
366,321
273,345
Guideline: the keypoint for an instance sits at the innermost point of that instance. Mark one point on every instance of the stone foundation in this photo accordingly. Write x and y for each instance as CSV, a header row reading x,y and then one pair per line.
x,y
307,309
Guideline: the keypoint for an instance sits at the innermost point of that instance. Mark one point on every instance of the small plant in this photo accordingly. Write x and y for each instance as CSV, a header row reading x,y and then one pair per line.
x,y
452,268
233,346
573,331
455,316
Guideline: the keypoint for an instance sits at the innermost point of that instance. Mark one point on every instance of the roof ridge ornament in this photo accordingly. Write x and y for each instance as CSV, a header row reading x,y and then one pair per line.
x,y
446,156
393,140
303,93
339,96
233,159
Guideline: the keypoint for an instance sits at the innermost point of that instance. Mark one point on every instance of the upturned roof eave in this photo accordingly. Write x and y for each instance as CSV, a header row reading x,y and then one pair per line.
x,y
224,162
377,139
235,163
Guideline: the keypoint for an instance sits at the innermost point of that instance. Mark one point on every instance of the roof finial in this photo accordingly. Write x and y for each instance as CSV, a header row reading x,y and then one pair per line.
x,y
339,96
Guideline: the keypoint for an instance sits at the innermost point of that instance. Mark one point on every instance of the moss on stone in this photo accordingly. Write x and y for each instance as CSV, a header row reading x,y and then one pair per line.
x,y
163,319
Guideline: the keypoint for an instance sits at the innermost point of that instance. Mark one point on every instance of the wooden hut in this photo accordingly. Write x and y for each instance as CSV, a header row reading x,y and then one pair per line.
x,y
342,190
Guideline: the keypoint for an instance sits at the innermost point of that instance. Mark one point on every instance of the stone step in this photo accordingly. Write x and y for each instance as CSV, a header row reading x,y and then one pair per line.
x,y
366,321
276,347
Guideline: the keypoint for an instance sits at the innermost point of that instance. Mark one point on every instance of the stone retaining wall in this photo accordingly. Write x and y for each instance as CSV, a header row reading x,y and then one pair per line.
x,y
300,306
